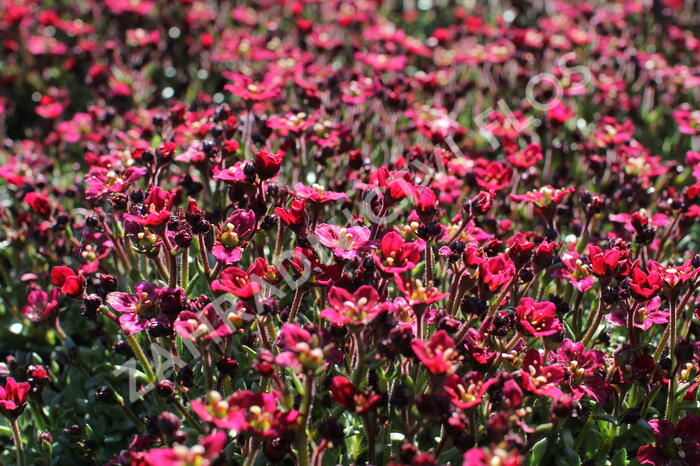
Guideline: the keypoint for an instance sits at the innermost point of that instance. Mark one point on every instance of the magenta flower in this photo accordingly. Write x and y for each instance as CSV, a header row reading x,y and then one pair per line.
x,y
397,255
317,194
300,350
540,379
157,208
103,181
645,316
246,411
204,453
467,392
674,444
237,282
138,309
585,371
439,355
345,242
203,325
574,270
233,237
13,398
358,308
538,318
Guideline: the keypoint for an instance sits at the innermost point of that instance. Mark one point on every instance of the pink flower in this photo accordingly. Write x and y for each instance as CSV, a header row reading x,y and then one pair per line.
x,y
645,316
345,242
245,88
688,120
40,305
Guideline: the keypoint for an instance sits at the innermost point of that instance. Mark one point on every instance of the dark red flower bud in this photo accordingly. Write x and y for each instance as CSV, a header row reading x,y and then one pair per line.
x,y
106,395
168,423
343,391
183,238
165,388
227,366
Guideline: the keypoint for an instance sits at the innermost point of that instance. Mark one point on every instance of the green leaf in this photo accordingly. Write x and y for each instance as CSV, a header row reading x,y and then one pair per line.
x,y
537,452
568,458
620,458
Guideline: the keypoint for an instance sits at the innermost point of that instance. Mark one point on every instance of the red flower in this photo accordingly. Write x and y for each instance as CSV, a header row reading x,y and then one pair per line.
x,y
395,185
346,395
267,165
426,204
546,199
237,282
343,391
520,249
673,278
418,294
495,272
439,355
39,202
13,398
492,175
609,263
295,217
71,284
643,286
538,319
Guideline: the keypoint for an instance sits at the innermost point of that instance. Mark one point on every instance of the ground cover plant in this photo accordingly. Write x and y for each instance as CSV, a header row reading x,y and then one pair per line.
x,y
349,232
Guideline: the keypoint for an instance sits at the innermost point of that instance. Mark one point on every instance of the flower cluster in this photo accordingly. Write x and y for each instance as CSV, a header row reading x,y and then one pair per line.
x,y
349,232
